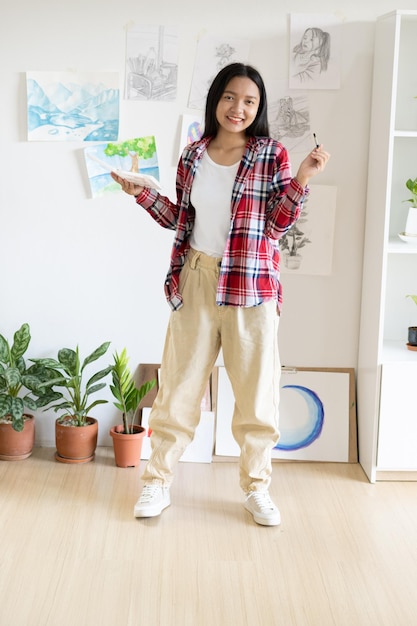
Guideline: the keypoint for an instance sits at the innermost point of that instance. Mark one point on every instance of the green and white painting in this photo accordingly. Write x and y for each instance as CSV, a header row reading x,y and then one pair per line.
x,y
138,154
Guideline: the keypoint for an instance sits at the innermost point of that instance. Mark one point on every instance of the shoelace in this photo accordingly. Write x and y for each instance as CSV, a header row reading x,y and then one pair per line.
x,y
262,500
149,492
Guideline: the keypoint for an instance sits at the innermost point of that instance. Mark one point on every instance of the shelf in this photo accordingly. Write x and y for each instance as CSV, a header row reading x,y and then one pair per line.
x,y
396,246
397,351
387,370
406,133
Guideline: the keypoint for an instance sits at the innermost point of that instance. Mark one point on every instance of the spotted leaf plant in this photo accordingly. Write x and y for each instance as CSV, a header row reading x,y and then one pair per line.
x,y
20,386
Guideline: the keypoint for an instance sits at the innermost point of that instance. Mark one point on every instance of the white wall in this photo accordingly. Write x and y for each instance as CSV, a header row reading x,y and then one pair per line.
x,y
82,271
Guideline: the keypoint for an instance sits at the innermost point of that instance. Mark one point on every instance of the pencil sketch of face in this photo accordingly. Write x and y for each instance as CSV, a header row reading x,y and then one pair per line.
x,y
311,55
314,61
309,42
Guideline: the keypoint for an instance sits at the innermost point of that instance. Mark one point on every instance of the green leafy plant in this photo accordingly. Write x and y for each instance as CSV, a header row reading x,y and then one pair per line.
x,y
128,396
69,373
412,188
414,298
19,385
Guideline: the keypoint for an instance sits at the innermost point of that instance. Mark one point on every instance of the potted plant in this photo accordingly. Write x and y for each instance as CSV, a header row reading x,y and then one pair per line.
x,y
412,188
411,223
19,393
128,436
412,330
75,430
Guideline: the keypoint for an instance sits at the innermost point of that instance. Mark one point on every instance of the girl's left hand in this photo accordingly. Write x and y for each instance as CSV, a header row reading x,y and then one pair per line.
x,y
314,163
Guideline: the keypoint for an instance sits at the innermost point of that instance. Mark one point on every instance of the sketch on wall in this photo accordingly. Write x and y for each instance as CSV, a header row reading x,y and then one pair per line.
x,y
71,106
307,247
289,120
316,415
212,55
314,51
151,63
138,154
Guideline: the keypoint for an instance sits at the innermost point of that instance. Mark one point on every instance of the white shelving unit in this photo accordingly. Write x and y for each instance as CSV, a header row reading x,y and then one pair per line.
x,y
387,370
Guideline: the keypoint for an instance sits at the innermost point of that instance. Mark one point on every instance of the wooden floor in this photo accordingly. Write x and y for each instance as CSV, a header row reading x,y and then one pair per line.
x,y
73,555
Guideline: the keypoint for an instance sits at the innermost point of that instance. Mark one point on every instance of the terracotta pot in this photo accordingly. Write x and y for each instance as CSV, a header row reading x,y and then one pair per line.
x,y
127,448
16,446
76,444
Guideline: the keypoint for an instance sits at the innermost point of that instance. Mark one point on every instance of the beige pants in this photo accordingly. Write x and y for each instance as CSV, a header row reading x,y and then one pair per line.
x,y
248,337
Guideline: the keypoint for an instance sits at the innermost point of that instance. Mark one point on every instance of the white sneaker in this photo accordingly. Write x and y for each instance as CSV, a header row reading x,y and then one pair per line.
x,y
153,500
262,508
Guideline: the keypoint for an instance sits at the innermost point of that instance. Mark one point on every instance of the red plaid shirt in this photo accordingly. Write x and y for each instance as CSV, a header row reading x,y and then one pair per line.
x,y
265,203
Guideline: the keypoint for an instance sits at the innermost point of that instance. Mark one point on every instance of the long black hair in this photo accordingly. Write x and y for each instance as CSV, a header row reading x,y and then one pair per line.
x,y
259,126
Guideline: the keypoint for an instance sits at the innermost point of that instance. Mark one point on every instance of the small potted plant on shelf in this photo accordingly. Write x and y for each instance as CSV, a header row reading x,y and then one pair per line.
x,y
412,188
75,430
128,436
411,223
19,394
412,330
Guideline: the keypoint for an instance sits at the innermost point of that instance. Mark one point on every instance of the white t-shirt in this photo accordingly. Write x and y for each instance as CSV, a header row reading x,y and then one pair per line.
x,y
211,196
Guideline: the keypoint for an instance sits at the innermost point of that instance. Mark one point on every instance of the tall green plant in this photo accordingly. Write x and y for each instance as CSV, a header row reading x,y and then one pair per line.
x,y
128,396
68,373
19,385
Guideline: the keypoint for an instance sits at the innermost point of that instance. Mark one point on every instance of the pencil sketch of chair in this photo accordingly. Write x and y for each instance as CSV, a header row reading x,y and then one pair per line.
x,y
150,75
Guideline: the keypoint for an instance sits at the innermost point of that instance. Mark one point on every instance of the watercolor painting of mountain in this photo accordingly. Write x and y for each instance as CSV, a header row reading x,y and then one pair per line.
x,y
72,106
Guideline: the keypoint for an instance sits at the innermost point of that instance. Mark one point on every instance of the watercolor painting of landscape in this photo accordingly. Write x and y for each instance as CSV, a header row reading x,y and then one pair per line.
x,y
71,106
138,154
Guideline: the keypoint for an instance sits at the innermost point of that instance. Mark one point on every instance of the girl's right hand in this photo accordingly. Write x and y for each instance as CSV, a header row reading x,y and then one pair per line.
x,y
314,163
130,188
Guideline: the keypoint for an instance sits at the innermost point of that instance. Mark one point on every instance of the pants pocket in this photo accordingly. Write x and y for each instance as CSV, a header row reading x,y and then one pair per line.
x,y
185,272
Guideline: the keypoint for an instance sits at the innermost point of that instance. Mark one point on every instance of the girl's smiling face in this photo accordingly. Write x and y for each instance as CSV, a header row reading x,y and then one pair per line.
x,y
238,105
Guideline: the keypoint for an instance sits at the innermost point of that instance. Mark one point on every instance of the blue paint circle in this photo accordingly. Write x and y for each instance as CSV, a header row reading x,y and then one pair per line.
x,y
303,436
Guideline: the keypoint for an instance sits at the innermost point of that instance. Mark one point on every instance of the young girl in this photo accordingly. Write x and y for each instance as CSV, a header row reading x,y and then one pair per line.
x,y
235,199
